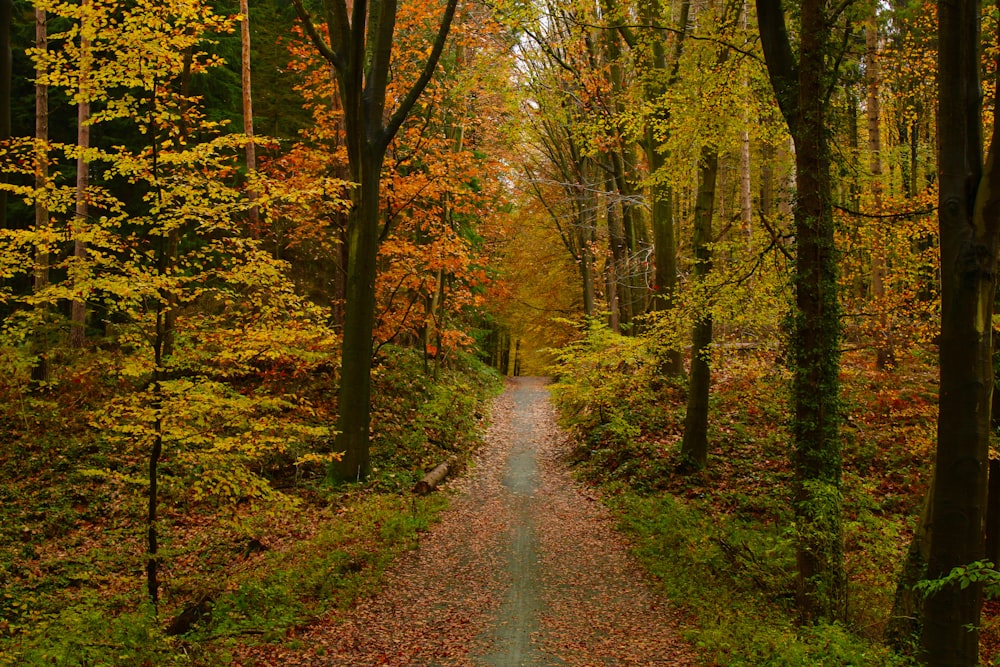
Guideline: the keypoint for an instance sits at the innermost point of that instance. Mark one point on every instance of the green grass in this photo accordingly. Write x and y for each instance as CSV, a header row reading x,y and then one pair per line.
x,y
735,583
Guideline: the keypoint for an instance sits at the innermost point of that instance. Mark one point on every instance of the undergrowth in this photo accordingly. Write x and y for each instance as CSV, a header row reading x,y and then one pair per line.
x,y
720,541
239,571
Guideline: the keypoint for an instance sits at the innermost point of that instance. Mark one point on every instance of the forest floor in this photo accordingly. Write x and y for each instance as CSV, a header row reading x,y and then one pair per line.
x,y
525,568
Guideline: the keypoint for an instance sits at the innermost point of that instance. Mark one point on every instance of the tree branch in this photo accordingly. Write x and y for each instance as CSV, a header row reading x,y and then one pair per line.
x,y
884,216
325,49
666,28
381,28
411,97
781,66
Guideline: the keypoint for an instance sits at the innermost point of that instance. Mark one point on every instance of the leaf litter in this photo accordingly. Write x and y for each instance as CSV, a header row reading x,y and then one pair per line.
x,y
525,569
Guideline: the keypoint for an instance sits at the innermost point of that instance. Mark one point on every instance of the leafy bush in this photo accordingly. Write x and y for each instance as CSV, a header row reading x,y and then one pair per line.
x,y
722,541
83,635
736,581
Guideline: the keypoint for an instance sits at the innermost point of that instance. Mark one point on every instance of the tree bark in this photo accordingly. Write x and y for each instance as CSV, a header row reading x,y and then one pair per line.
x,y
587,217
694,446
746,184
6,61
661,194
41,156
969,220
902,631
431,480
885,349
79,307
800,87
359,319
245,79
360,51
993,513
768,154
40,367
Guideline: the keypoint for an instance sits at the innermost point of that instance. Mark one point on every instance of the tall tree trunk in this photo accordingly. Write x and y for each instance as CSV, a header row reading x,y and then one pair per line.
x,y
885,349
611,294
618,184
664,250
619,256
155,452
40,369
79,308
630,278
800,87
746,188
902,631
587,214
694,446
746,185
817,339
661,194
768,154
6,60
251,149
359,319
969,199
41,156
359,47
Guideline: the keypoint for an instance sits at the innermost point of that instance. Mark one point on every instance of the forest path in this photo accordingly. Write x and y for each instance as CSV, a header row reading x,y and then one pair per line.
x,y
524,569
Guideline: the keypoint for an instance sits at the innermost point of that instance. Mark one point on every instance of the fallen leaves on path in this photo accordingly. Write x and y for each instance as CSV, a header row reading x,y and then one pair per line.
x,y
448,602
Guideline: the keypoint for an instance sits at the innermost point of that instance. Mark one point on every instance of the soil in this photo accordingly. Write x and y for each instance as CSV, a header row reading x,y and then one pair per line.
x,y
525,569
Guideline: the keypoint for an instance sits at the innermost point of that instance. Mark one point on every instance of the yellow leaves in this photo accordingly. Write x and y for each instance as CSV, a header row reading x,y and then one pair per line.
x,y
214,435
313,457
109,47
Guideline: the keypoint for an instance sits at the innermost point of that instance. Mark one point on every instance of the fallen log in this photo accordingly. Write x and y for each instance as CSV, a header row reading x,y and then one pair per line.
x,y
431,480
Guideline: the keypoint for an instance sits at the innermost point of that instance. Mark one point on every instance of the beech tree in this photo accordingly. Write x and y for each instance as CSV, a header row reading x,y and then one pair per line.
x,y
360,51
247,97
968,207
6,10
802,84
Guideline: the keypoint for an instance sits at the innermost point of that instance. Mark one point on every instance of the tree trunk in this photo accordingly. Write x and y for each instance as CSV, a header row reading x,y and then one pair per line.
x,y
251,150
993,513
746,185
430,481
156,450
969,197
359,320
902,631
664,252
587,213
360,50
767,158
611,295
885,349
817,340
662,211
6,60
42,156
694,446
619,256
40,368
635,238
79,307
800,89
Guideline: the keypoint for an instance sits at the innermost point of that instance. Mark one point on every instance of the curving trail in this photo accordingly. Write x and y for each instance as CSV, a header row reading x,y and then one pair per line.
x,y
524,569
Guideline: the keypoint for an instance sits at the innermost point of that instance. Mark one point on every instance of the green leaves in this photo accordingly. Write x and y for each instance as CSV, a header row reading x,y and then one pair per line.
x,y
979,572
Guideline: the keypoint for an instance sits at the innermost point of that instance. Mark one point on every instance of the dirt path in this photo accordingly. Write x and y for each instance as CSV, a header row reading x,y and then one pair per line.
x,y
524,569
